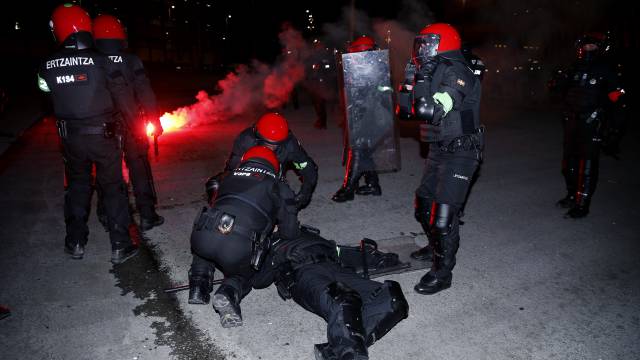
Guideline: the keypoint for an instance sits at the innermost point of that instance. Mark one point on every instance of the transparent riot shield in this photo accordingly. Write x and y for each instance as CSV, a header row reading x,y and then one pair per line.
x,y
368,108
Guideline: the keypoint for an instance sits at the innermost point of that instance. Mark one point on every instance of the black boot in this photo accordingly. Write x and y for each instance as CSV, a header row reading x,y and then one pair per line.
x,y
226,303
122,252
445,240
351,178
343,194
580,208
371,186
148,223
431,284
567,201
75,249
424,254
200,288
346,334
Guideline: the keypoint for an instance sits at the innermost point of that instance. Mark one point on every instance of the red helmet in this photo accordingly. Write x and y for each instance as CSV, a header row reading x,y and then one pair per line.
x,y
108,27
363,43
435,39
264,153
68,19
272,128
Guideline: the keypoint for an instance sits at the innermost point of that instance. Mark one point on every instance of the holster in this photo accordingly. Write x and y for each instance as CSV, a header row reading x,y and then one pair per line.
x,y
260,244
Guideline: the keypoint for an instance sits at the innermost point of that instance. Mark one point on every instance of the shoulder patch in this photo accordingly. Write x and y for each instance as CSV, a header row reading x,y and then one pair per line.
x,y
300,165
460,82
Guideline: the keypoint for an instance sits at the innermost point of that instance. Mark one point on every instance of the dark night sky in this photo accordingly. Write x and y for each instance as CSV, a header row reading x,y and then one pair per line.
x,y
252,30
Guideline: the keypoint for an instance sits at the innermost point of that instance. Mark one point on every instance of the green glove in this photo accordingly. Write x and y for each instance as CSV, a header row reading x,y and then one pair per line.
x,y
444,99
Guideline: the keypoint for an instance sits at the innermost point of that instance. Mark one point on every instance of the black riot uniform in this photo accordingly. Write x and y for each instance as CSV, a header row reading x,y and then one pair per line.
x,y
591,91
320,81
475,63
290,154
358,311
89,96
136,143
232,232
447,96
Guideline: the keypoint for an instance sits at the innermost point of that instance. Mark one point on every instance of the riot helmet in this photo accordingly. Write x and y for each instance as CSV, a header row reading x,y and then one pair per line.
x,y
272,128
434,39
109,33
71,24
262,155
363,43
108,27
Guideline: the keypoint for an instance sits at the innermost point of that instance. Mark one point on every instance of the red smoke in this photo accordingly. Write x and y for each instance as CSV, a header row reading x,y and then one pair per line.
x,y
249,89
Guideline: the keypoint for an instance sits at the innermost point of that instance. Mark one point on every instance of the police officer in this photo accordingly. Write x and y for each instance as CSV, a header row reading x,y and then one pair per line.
x,y
272,131
233,232
475,63
320,81
445,94
87,92
359,160
591,92
111,40
358,311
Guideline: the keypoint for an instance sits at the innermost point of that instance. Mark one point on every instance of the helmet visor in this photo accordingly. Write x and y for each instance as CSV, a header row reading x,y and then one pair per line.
x,y
425,46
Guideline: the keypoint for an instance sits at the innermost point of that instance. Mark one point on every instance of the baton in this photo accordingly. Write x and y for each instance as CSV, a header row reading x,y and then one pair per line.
x,y
186,287
155,145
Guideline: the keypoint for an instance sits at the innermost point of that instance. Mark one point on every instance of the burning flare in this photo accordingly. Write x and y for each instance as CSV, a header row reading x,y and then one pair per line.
x,y
170,122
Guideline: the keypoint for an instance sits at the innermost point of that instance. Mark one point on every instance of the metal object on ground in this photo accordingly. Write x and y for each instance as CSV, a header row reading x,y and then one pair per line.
x,y
186,287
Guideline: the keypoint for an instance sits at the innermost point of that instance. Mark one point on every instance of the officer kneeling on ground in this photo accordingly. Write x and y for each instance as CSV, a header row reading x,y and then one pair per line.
x,y
272,131
233,232
358,311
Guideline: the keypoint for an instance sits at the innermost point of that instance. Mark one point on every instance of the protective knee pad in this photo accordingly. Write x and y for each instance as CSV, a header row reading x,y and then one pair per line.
x,y
350,305
442,219
423,208
396,309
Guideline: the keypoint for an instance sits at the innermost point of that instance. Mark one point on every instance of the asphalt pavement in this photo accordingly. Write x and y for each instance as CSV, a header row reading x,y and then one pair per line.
x,y
528,284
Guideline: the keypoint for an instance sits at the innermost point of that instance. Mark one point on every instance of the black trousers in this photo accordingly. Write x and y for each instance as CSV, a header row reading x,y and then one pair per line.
x,y
581,155
230,253
310,292
80,153
136,150
446,180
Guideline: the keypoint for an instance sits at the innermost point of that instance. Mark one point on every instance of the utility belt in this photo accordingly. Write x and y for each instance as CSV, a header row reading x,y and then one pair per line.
x,y
467,142
212,219
70,128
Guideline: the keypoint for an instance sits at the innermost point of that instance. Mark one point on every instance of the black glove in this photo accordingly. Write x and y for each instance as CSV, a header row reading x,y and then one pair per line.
x,y
302,200
429,133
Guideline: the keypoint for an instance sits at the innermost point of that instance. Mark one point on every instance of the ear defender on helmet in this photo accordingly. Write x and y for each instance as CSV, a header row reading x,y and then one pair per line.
x,y
272,128
263,155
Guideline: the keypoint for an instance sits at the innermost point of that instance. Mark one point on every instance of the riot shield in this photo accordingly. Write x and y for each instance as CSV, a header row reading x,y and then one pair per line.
x,y
368,108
